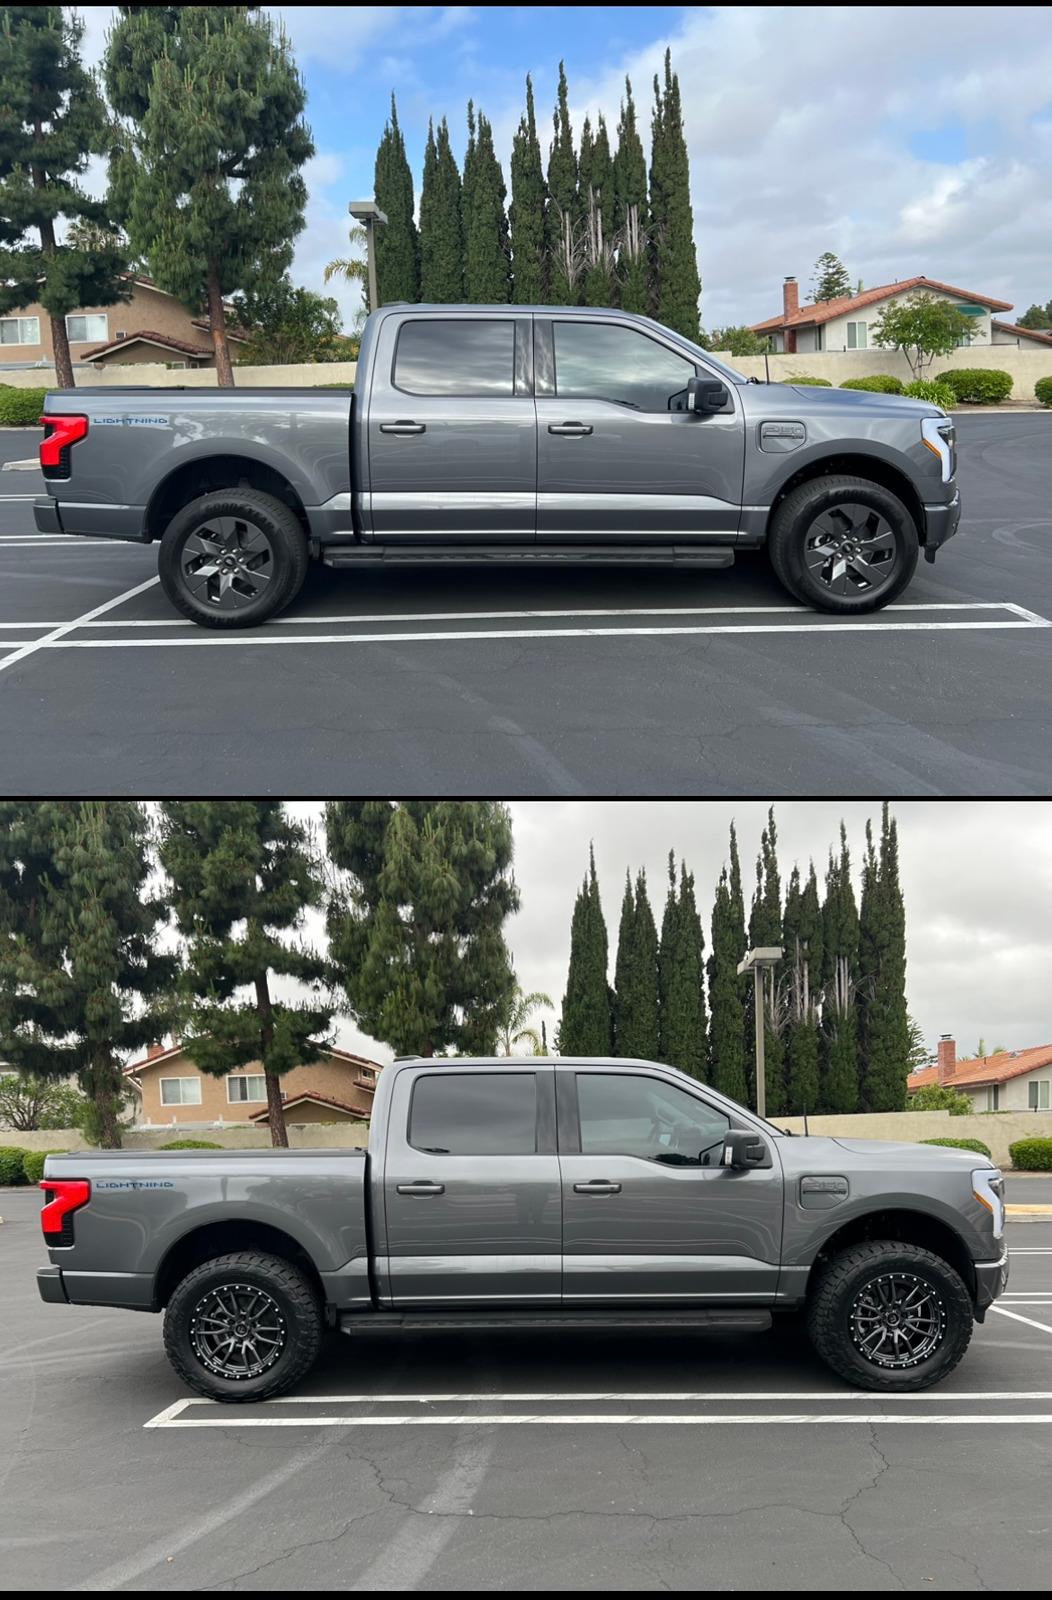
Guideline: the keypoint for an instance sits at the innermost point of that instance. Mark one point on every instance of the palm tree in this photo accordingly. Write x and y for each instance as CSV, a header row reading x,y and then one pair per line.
x,y
352,268
513,1023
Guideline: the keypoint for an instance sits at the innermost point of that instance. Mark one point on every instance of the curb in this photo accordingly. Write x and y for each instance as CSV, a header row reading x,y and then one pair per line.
x,y
30,464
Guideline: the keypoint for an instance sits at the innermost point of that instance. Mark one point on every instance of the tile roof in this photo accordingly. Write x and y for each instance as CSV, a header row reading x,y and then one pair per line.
x,y
1040,336
317,1099
151,337
826,310
986,1069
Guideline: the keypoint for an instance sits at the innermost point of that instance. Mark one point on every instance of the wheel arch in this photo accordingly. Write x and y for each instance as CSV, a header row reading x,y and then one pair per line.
x,y
904,1226
228,469
856,464
226,1237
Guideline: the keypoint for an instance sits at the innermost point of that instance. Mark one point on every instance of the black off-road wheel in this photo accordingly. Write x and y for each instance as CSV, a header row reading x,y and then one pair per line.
x,y
843,544
243,1327
232,559
890,1316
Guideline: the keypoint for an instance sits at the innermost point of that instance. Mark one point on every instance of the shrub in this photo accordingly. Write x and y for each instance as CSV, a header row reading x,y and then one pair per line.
x,y
20,408
937,1097
961,1144
190,1144
939,393
818,383
978,386
1031,1155
1043,391
12,1164
33,1165
878,383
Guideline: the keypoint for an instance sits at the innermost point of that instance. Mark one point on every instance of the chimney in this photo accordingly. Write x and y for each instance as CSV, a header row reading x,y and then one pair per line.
x,y
790,298
155,1050
947,1058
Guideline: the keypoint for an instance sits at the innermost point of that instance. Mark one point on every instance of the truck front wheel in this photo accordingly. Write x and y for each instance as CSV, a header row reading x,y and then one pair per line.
x,y
890,1316
243,1327
232,559
843,544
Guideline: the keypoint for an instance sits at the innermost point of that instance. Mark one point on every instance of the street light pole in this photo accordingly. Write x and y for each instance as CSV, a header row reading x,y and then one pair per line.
x,y
755,961
368,213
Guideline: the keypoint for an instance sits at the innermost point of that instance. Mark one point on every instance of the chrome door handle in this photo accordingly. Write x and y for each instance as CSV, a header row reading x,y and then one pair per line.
x,y
570,430
403,428
421,1188
597,1186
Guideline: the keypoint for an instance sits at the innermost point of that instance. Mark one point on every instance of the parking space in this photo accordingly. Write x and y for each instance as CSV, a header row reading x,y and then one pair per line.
x,y
489,1462
574,681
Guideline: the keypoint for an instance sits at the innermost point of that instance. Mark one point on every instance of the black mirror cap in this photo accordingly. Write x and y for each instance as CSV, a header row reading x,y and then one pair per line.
x,y
706,394
742,1148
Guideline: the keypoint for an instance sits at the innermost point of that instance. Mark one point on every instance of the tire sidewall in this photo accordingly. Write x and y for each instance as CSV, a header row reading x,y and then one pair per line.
x,y
819,500
959,1319
256,509
286,1369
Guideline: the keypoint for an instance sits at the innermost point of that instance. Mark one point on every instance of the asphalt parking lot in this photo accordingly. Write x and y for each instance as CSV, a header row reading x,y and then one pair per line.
x,y
570,682
501,1463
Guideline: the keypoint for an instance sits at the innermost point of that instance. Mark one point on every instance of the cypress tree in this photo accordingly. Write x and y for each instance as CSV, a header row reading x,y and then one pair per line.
x,y
416,922
565,232
397,244
726,1008
838,1057
597,196
681,978
883,1018
487,263
206,174
630,210
82,984
765,928
242,875
636,1003
586,1028
526,213
53,121
441,224
830,281
802,933
677,286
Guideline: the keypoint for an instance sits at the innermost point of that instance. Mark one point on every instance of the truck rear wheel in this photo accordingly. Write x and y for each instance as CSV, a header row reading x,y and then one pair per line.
x,y
243,1327
843,544
232,559
890,1316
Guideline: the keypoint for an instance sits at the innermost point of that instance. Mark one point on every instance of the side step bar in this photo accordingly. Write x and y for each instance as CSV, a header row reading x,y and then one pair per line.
x,y
731,1320
614,555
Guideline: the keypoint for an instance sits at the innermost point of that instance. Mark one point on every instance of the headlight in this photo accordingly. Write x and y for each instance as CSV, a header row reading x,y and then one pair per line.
x,y
940,436
988,1187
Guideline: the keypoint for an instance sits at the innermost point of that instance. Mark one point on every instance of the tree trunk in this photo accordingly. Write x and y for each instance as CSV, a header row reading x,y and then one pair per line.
x,y
217,322
276,1111
59,339
107,1105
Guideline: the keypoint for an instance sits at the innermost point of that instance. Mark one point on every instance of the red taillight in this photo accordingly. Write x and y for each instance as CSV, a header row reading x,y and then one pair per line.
x,y
64,432
63,1196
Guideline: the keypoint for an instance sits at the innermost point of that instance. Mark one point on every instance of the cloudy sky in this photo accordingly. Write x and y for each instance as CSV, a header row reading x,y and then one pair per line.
x,y
908,139
977,880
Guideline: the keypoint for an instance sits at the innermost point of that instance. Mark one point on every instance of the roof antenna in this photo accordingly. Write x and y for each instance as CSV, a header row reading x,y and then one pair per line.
x,y
805,1122
766,363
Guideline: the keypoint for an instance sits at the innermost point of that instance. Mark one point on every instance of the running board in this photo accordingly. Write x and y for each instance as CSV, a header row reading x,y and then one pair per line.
x,y
566,555
356,1322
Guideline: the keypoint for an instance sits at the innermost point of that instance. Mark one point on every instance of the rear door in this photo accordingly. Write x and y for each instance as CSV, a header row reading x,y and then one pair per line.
x,y
471,1188
452,430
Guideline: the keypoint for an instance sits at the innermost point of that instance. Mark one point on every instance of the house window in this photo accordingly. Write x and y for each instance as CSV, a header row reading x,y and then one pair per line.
x,y
1037,1094
819,337
19,330
993,1097
857,336
180,1091
85,330
248,1087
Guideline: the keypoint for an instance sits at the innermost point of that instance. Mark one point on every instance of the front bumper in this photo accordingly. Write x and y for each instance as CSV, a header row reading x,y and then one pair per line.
x,y
940,523
991,1279
49,1282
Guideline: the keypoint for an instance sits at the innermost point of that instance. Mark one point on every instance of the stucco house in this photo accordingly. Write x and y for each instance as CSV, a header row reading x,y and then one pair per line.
x,y
1012,1080
845,324
172,1090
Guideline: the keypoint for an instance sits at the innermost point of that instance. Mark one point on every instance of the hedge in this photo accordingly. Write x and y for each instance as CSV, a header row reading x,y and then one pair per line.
x,y
190,1144
12,1164
1043,391
939,393
819,383
978,386
33,1165
20,408
962,1144
1031,1155
879,383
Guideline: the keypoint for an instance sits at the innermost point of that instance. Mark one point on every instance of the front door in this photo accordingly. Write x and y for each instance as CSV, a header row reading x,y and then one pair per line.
x,y
649,1215
619,457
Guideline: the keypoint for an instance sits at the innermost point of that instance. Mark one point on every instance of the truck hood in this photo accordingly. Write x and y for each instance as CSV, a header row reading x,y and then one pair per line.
x,y
915,1151
900,405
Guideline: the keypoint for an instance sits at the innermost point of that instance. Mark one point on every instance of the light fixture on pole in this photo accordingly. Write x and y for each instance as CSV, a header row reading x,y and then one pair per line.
x,y
755,961
368,213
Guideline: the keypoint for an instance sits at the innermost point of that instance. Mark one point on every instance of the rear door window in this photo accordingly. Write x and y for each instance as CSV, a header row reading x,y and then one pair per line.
x,y
474,1114
468,356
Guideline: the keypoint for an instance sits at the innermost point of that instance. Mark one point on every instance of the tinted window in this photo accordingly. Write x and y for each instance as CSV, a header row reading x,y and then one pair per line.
x,y
598,361
475,1114
455,356
647,1117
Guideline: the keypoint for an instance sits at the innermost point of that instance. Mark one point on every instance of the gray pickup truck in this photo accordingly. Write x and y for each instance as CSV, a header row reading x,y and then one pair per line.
x,y
529,1194
513,434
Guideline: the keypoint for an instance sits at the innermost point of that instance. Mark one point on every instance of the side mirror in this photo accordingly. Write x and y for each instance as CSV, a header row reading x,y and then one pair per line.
x,y
706,394
743,1149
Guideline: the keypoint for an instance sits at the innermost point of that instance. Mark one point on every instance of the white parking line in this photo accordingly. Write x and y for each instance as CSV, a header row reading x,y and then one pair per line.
x,y
1002,1312
56,633
604,1419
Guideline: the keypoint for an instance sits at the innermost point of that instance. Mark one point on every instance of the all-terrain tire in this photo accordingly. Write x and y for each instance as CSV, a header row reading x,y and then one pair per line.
x,y
275,567
793,521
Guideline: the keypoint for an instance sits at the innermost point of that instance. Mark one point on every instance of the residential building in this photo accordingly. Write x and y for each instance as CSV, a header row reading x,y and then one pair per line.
x,y
1011,1080
846,323
1022,338
339,1087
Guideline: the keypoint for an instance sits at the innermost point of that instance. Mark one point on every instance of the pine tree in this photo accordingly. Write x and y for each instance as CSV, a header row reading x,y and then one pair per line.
x,y
586,1028
487,246
526,213
82,983
397,244
765,928
441,223
597,197
53,122
416,923
830,280
564,219
677,287
838,1042
883,1018
242,874
802,969
630,211
726,995
636,1002
681,979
